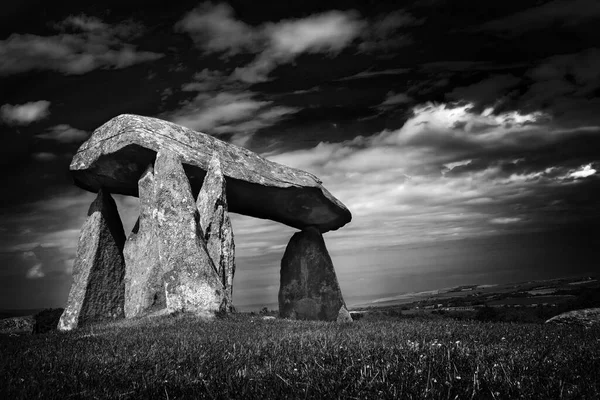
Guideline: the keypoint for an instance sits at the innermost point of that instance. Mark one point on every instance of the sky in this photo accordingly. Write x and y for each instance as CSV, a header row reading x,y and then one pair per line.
x,y
463,136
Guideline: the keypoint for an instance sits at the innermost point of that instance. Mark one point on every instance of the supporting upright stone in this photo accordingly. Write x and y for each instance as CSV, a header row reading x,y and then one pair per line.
x,y
144,284
215,224
192,283
97,292
308,285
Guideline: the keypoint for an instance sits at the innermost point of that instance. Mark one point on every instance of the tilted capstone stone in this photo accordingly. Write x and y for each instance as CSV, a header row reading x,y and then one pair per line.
x,y
97,292
119,151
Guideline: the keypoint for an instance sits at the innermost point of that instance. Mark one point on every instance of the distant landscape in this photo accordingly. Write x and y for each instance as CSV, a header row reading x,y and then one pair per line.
x,y
531,301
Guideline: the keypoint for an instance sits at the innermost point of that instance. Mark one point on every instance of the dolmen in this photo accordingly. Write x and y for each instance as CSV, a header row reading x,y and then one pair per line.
x,y
180,255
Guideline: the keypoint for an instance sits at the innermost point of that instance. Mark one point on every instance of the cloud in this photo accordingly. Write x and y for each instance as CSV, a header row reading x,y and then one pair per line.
x,y
64,134
328,33
238,113
584,172
370,74
393,99
214,29
486,92
450,171
504,220
92,45
462,66
383,34
554,13
25,114
566,82
44,156
34,270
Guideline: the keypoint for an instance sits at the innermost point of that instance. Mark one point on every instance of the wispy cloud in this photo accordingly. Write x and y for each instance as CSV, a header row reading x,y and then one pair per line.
x,y
89,44
25,114
239,113
327,33
215,29
64,134
563,12
370,74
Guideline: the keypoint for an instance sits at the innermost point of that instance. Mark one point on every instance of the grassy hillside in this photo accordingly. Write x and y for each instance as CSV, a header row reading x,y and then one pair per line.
x,y
245,357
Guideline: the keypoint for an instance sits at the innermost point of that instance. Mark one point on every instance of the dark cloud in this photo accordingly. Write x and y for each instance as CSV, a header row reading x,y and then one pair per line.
x,y
370,74
65,134
565,13
92,45
489,91
388,32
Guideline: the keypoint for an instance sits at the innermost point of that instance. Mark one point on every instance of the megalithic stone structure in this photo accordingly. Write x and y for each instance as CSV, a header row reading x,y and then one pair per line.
x,y
97,293
144,275
215,225
309,288
192,282
180,256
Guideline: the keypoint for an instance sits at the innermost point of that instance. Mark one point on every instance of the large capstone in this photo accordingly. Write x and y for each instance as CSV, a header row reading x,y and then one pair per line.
x,y
309,288
118,152
192,282
215,224
144,284
97,292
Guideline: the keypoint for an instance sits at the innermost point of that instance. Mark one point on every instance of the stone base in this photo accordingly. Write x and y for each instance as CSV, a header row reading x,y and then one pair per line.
x,y
309,289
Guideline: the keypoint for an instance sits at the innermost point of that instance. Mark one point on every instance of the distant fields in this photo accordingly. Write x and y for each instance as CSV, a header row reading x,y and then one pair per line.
x,y
245,357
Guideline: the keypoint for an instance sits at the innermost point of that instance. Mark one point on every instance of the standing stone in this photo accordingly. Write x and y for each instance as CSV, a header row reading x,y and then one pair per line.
x,y
97,292
215,224
144,284
192,282
308,287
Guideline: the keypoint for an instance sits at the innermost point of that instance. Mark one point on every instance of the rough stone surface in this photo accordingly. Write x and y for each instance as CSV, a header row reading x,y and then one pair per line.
x,y
586,317
98,291
144,284
20,325
119,151
192,283
344,315
215,224
308,285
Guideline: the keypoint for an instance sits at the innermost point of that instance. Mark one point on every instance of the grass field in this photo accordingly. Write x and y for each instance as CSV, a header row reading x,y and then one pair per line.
x,y
243,356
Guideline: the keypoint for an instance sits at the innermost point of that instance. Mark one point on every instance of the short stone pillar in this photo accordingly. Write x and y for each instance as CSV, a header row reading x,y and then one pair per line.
x,y
309,288
97,292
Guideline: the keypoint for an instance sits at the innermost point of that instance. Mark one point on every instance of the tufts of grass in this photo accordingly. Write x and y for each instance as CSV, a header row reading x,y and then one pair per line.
x,y
246,357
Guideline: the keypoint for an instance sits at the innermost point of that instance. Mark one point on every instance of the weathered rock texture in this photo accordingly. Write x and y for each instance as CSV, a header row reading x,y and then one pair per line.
x,y
119,151
144,284
308,285
587,317
215,224
98,291
192,282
